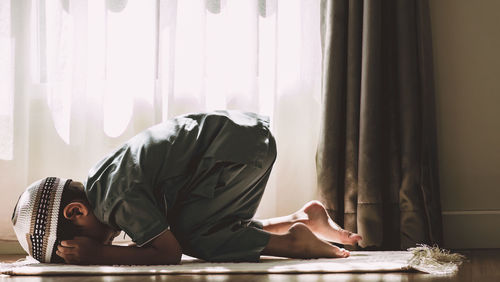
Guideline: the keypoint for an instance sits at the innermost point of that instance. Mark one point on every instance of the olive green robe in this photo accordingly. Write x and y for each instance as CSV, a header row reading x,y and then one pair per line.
x,y
200,175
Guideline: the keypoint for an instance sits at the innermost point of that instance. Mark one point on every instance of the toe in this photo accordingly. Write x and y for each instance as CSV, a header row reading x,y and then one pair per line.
x,y
340,252
350,238
344,253
355,237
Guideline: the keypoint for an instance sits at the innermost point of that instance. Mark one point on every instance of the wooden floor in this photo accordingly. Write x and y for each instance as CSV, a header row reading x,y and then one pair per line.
x,y
483,266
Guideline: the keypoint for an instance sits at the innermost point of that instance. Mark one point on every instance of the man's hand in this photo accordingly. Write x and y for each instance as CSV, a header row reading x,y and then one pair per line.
x,y
164,249
80,250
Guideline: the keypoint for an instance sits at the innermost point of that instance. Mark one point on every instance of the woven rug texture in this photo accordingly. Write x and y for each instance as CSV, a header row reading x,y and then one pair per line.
x,y
359,261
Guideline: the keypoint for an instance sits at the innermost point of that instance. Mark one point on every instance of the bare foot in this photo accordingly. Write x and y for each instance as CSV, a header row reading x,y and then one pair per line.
x,y
310,246
300,242
320,223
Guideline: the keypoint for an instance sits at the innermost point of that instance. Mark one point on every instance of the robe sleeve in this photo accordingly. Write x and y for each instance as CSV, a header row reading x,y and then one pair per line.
x,y
137,214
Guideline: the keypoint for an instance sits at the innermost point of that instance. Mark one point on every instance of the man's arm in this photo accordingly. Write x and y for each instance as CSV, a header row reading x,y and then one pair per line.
x,y
164,249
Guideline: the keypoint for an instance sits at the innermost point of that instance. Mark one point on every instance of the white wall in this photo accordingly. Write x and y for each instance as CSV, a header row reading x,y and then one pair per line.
x,y
466,42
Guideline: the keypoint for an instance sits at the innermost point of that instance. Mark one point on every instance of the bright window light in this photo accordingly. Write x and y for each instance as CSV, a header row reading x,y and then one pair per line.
x,y
6,83
130,62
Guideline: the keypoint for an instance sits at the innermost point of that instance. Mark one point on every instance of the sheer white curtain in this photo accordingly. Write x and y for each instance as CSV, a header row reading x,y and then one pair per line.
x,y
80,77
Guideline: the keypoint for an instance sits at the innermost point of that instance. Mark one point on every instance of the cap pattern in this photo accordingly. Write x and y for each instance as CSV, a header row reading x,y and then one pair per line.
x,y
36,215
38,238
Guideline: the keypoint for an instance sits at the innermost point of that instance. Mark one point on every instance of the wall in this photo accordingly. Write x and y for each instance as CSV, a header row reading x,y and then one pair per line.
x,y
466,42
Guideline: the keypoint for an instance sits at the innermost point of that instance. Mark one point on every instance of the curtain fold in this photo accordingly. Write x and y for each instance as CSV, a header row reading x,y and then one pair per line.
x,y
376,158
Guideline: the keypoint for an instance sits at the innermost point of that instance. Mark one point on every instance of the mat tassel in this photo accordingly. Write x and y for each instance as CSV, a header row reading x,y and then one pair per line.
x,y
434,260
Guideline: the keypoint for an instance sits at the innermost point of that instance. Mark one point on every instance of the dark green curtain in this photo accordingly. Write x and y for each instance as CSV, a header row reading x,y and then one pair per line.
x,y
377,155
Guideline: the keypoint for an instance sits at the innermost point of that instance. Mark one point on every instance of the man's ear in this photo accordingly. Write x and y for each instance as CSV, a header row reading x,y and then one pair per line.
x,y
74,210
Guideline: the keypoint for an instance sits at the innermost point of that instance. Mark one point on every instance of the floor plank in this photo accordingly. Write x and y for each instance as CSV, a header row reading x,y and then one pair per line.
x,y
482,266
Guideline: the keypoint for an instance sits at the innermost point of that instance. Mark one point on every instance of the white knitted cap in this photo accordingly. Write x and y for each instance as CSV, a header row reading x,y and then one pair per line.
x,y
35,217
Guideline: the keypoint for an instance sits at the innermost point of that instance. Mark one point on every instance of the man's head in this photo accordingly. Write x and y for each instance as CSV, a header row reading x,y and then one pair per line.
x,y
52,210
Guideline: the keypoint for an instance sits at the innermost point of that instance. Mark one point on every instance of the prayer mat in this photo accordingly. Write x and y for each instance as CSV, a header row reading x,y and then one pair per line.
x,y
359,261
